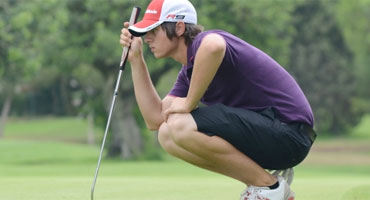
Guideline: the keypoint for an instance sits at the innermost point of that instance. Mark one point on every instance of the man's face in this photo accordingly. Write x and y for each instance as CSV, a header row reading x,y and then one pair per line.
x,y
159,43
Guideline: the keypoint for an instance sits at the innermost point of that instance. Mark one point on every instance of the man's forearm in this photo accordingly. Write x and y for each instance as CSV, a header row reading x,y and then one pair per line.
x,y
147,97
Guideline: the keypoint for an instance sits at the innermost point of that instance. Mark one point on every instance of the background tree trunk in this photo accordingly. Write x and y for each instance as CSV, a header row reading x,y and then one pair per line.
x,y
126,140
5,113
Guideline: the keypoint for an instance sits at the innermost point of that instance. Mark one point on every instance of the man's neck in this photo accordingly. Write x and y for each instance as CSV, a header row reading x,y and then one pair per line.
x,y
180,55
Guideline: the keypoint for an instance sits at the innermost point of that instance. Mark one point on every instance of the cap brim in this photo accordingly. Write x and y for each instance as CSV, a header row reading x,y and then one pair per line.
x,y
141,28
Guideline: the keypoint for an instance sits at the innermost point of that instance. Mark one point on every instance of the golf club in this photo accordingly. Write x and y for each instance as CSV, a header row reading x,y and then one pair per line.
x,y
134,15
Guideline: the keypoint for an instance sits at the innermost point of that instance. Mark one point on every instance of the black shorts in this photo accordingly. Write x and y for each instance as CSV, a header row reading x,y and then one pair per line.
x,y
259,135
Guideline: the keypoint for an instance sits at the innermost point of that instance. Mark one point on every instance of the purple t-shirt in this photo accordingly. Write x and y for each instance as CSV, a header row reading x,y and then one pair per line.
x,y
250,79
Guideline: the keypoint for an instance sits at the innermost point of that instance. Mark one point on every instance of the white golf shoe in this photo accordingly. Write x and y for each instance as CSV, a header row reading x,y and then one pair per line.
x,y
283,192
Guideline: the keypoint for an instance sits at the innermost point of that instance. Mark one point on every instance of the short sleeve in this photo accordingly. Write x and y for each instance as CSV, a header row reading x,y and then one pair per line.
x,y
181,86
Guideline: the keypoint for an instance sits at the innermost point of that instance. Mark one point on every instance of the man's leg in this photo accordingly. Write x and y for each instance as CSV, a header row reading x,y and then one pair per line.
x,y
179,137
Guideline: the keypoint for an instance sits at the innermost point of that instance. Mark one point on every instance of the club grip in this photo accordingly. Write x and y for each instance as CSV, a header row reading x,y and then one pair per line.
x,y
134,15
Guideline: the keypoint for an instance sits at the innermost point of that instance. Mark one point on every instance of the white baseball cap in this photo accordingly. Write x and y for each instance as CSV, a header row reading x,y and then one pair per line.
x,y
160,11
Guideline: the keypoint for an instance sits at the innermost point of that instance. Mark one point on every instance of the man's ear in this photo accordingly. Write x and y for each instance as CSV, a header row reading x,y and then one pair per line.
x,y
180,28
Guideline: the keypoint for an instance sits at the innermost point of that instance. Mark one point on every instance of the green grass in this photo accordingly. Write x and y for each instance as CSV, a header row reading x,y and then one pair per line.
x,y
49,129
47,169
362,130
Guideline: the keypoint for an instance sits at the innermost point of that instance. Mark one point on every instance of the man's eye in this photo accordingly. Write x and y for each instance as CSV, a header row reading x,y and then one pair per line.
x,y
156,30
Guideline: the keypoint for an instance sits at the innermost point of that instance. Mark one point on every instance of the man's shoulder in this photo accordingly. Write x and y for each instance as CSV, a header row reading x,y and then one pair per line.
x,y
199,38
212,31
230,38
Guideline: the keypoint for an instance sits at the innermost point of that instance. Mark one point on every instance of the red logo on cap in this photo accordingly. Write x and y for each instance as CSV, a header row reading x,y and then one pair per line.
x,y
171,16
153,12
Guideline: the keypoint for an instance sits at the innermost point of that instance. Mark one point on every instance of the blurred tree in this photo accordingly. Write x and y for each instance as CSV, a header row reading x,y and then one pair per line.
x,y
353,18
95,34
322,63
62,57
24,33
264,24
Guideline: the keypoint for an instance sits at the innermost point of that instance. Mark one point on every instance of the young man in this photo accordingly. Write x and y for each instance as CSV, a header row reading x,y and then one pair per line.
x,y
256,116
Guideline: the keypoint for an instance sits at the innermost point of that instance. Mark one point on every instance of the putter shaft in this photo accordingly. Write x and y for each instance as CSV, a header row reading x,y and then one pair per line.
x,y
134,15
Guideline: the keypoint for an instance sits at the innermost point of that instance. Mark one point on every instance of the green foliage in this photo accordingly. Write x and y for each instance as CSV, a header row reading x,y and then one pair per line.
x,y
61,57
24,36
353,18
21,20
265,24
15,54
321,62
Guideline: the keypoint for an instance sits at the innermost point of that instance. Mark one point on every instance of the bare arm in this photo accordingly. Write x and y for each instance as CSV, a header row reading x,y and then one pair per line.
x,y
150,104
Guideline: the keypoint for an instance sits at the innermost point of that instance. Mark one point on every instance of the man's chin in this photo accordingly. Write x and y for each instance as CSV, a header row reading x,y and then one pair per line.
x,y
156,55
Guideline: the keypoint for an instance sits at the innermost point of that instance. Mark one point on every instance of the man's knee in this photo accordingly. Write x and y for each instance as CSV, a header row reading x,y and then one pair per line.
x,y
171,132
166,141
179,128
164,137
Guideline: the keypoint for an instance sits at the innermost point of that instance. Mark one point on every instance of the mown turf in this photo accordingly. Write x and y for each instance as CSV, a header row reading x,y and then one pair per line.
x,y
38,170
170,188
43,170
362,130
68,129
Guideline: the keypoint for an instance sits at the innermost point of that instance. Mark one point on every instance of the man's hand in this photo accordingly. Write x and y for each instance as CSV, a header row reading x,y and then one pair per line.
x,y
136,44
178,105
